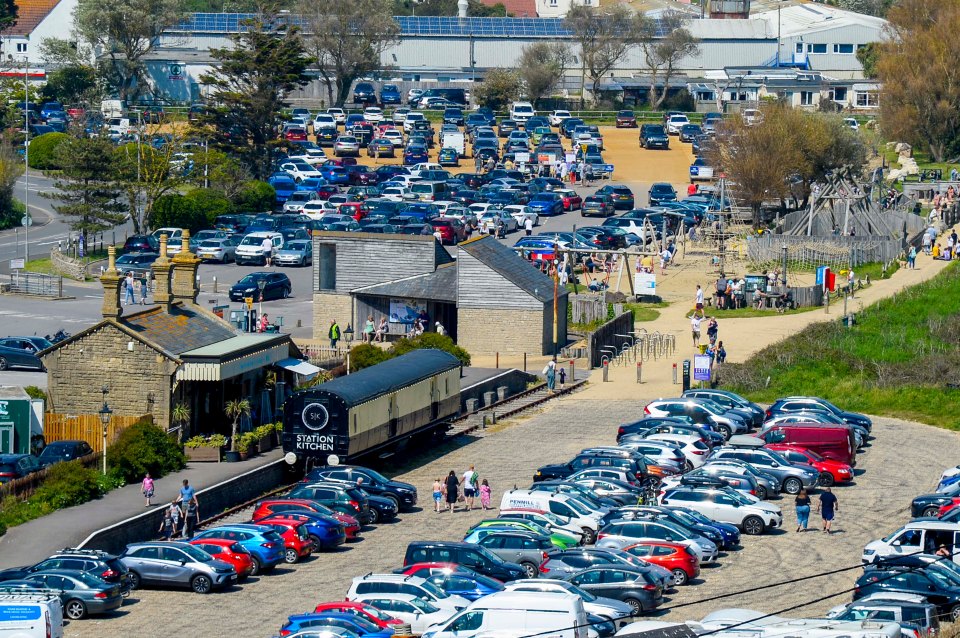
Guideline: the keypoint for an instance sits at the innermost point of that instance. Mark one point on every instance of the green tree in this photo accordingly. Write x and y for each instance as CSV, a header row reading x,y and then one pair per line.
x,y
209,202
663,53
365,355
177,211
430,340
541,66
499,88
265,63
70,84
8,13
143,447
255,196
87,191
11,168
235,410
125,31
605,36
146,173
867,57
42,151
347,39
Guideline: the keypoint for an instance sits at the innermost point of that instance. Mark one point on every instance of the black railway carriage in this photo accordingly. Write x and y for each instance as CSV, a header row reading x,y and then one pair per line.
x,y
372,409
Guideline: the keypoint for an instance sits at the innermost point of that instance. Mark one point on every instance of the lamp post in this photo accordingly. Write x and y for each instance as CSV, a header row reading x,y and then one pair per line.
x,y
26,154
105,414
261,284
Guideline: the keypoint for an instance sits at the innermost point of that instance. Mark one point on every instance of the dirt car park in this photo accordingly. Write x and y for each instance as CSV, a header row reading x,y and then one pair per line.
x,y
904,460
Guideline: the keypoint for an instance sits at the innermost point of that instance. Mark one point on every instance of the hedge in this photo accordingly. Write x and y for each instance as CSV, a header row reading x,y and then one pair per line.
x,y
42,149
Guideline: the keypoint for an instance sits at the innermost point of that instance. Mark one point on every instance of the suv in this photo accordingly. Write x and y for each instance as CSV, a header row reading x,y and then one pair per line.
x,y
622,195
58,451
654,136
726,505
934,586
730,401
520,112
479,559
816,404
623,533
792,478
527,549
403,495
701,412
340,498
101,564
364,93
176,564
403,584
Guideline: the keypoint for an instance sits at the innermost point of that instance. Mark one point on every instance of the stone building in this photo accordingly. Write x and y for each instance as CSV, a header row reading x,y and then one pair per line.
x,y
152,358
488,299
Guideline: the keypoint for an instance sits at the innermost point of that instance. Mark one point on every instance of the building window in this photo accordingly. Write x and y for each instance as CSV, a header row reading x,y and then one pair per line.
x,y
867,99
838,94
553,3
806,98
799,47
816,48
844,49
21,47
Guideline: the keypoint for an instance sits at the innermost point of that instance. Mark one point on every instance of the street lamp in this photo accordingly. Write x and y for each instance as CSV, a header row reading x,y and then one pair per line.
x,y
105,414
261,284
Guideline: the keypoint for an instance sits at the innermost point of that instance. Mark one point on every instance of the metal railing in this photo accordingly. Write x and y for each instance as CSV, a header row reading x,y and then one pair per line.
x,y
23,282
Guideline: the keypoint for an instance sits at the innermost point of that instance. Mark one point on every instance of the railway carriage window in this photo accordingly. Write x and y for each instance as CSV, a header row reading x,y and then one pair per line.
x,y
354,423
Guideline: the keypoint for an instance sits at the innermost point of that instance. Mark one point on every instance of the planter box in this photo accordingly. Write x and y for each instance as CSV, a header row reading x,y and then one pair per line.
x,y
203,454
265,445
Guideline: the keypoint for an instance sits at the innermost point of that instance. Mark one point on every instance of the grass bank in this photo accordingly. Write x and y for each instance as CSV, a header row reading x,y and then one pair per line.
x,y
899,358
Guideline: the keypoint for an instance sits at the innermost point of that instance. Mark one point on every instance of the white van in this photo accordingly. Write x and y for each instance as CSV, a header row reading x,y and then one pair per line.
x,y
455,141
37,614
562,505
250,248
112,108
915,538
550,615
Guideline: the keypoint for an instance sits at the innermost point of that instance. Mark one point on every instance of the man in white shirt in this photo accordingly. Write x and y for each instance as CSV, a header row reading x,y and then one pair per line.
x,y
695,328
699,301
267,246
469,483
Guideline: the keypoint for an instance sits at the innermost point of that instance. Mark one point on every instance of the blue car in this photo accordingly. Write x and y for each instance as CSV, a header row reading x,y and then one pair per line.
x,y
284,185
537,248
422,211
262,542
415,154
390,94
312,183
325,531
546,204
466,583
335,174
356,624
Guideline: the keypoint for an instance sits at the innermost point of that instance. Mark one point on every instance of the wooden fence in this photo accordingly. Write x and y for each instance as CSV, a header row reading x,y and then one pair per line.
x,y
85,427
23,488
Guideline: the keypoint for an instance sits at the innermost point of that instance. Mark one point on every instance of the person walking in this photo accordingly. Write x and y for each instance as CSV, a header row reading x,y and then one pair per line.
x,y
187,495
695,330
451,488
469,484
698,301
146,488
713,329
912,258
528,226
267,246
191,519
128,297
334,334
167,524
144,288
562,372
437,494
485,493
174,512
828,507
802,505
550,372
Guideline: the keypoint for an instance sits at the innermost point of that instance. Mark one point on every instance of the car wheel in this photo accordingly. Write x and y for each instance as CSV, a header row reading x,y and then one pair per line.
x,y
374,516
394,500
761,492
931,512
3,363
589,536
317,543
256,567
792,486
290,556
753,525
725,431
201,584
285,294
74,609
955,614
826,479
636,608
680,577
531,570
688,466
133,580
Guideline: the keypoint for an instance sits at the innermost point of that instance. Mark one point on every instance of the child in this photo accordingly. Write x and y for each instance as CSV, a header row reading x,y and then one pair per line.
x,y
166,525
563,377
437,494
174,512
485,494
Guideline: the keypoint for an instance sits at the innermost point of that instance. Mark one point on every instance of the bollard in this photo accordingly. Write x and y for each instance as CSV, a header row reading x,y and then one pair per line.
x,y
639,371
524,361
214,284
497,364
493,418
573,375
674,374
299,323
606,370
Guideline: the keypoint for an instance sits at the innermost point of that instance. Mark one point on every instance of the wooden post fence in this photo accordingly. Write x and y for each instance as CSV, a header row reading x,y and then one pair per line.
x,y
85,427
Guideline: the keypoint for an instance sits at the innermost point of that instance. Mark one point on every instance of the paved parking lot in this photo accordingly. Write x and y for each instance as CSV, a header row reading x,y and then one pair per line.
x,y
905,459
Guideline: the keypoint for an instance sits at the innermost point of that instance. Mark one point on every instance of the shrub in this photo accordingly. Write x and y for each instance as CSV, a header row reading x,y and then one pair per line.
x,y
35,393
142,448
215,440
42,151
68,484
366,355
264,431
178,212
255,196
244,441
430,340
210,204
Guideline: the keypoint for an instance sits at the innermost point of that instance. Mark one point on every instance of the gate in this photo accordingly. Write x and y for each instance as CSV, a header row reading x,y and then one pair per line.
x,y
36,283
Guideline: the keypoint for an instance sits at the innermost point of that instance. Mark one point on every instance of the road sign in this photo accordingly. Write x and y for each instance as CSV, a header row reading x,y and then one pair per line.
x,y
26,220
17,264
701,367
249,302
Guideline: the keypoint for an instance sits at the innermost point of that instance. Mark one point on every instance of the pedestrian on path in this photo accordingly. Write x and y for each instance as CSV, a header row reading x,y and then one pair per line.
x,y
174,512
128,297
802,504
469,483
144,288
167,525
563,377
912,258
665,257
191,519
550,372
695,330
187,495
828,507
698,303
146,487
451,487
334,334
713,329
485,493
437,494
528,226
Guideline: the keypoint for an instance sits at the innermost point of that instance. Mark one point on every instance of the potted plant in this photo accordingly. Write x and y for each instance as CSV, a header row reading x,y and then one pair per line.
x,y
205,449
234,410
264,435
247,445
180,414
278,432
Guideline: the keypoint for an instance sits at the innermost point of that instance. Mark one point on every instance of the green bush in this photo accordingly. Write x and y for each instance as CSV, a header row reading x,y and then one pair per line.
x,y
216,440
366,355
209,203
42,151
178,212
35,393
255,197
142,448
430,340
68,484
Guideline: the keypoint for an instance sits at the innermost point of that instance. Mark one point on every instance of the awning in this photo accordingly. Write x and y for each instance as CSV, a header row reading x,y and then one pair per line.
x,y
233,357
303,368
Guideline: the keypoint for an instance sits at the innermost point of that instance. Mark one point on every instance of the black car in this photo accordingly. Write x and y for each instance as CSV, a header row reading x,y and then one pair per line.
x,y
141,244
404,495
364,93
597,205
326,135
453,116
479,559
935,586
661,192
16,466
636,467
277,286
654,136
137,263
622,195
929,504
688,132
95,562
58,451
633,586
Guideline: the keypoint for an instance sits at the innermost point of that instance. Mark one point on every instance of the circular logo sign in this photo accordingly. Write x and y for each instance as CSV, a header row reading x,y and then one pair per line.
x,y
290,458
333,459
175,69
315,416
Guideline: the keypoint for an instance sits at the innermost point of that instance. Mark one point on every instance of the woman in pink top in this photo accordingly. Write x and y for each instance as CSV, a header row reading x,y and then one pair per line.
x,y
147,488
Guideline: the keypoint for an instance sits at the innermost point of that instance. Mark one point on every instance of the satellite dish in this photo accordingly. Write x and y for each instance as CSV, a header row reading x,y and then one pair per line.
x,y
333,459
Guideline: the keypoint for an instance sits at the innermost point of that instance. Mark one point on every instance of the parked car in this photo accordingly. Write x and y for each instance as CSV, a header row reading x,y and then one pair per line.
x,y
296,538
326,531
58,451
19,358
361,609
727,506
95,562
476,558
831,471
277,286
141,244
679,559
404,495
230,552
524,548
621,195
264,544
346,145
933,586
635,587
597,206
17,466
338,496
701,412
298,252
626,119
81,593
173,564
792,478
402,584
654,136
219,250
327,620
816,404
661,192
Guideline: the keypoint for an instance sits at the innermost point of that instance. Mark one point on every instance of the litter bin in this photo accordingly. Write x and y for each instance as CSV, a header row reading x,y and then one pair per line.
x,y
488,399
502,393
471,406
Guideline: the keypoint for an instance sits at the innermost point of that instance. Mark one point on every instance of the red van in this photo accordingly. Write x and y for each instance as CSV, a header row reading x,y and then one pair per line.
x,y
826,439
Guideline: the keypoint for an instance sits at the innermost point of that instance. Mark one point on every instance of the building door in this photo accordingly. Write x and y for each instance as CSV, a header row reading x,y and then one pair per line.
x,y
6,438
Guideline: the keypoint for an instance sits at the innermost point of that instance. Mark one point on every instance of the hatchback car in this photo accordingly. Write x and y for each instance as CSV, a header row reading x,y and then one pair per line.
x,y
728,506
219,250
228,551
295,253
59,451
406,608
626,119
17,466
404,495
621,195
597,206
166,564
831,471
682,563
326,531
339,497
526,549
346,145
402,584
792,477
276,286
262,541
358,625
81,593
632,586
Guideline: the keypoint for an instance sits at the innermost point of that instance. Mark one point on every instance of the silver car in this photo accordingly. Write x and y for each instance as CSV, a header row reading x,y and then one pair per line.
x,y
346,145
620,534
609,608
768,485
220,250
298,252
792,477
165,564
726,505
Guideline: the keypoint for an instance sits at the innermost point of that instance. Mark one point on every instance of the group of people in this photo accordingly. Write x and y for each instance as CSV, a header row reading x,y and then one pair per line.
x,y
182,517
453,490
827,507
135,288
714,347
948,252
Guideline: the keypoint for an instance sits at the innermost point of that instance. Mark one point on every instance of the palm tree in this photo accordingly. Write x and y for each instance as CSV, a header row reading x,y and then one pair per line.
x,y
180,415
234,410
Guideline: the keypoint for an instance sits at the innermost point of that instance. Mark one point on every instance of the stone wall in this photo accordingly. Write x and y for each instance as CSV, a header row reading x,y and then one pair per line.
x,y
67,266
329,306
485,331
77,371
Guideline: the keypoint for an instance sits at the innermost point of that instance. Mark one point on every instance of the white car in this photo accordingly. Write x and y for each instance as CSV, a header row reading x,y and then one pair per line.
x,y
393,136
296,201
694,450
557,117
522,214
403,180
726,505
852,123
751,116
324,120
520,112
400,114
402,584
398,193
412,116
414,94
416,169
676,122
415,611
309,158
300,170
608,608
317,208
339,116
372,114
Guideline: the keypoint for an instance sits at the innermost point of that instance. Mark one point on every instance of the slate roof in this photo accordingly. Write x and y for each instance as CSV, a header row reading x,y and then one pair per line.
x,y
30,13
440,285
510,265
181,330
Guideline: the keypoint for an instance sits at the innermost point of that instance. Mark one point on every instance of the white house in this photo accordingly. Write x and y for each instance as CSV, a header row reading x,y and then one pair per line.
x,y
37,20
560,8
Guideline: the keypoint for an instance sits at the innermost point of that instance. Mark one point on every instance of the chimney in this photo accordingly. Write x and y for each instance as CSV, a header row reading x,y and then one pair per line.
x,y
183,283
161,275
112,280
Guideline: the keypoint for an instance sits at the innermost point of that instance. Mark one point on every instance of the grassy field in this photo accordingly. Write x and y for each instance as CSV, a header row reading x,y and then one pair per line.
x,y
900,358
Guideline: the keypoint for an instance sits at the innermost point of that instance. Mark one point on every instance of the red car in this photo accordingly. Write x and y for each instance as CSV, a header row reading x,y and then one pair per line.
x,y
949,506
363,610
831,471
626,119
357,210
571,201
295,134
296,540
452,231
230,552
677,558
279,506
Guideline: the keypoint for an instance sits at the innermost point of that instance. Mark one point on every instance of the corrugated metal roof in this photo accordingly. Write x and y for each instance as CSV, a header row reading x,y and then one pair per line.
x,y
510,265
440,285
181,330
807,18
388,376
749,29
